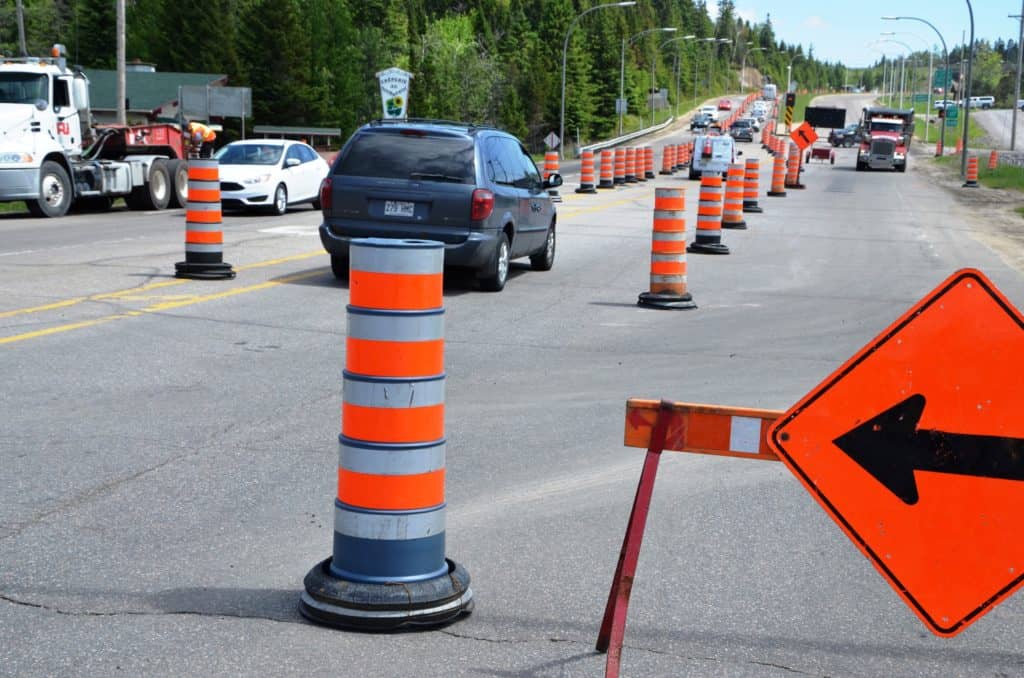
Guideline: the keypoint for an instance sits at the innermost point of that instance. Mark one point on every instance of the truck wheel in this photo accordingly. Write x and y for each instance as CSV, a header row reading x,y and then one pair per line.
x,y
54,192
155,194
178,171
339,266
901,168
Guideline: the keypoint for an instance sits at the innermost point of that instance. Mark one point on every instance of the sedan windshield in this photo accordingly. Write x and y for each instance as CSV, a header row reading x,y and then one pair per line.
x,y
23,88
250,154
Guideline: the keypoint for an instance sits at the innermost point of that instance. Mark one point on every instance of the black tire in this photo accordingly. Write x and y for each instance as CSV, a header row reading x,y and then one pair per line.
x,y
155,194
902,168
694,175
545,258
339,266
54,192
178,171
495,274
280,204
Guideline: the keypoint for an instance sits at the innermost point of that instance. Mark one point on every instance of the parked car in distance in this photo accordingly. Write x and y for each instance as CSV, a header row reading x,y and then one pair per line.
x,y
269,174
939,104
984,102
700,121
1020,104
474,188
724,105
711,111
759,110
845,137
742,130
753,122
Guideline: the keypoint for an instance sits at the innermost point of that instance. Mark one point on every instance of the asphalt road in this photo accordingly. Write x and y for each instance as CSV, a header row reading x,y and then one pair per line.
x,y
169,447
998,125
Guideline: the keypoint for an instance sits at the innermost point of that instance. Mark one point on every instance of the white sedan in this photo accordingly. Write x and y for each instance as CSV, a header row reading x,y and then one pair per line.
x,y
270,174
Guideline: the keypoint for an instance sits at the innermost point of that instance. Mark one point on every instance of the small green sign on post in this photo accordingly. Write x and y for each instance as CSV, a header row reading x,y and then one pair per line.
x,y
942,79
919,98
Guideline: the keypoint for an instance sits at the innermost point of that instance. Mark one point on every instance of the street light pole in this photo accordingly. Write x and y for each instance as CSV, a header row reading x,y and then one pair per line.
x,y
1016,95
945,84
678,63
565,52
967,93
711,61
622,67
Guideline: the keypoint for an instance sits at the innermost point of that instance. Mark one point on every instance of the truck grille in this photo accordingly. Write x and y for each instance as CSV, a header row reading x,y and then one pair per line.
x,y
885,147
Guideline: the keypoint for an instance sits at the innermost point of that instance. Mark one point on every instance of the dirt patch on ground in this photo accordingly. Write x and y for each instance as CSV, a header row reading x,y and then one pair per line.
x,y
991,210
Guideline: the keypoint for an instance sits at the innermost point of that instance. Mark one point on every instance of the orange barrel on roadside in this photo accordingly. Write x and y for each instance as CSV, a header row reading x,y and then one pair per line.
x,y
751,177
204,238
993,159
682,155
972,172
551,167
709,217
587,173
607,169
938,149
668,288
778,187
388,569
631,165
668,159
620,166
793,168
732,206
649,163
959,145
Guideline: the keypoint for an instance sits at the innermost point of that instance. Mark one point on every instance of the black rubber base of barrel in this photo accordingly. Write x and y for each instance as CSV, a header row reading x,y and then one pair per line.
x,y
649,175
671,302
777,194
707,248
219,271
970,185
737,226
400,606
752,210
798,187
587,189
663,172
606,185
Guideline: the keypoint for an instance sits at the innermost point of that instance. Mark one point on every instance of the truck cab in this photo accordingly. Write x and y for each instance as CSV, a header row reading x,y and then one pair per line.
x,y
885,135
712,153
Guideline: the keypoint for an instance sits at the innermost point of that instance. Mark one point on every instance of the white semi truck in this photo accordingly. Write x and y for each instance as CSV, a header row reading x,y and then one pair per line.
x,y
52,157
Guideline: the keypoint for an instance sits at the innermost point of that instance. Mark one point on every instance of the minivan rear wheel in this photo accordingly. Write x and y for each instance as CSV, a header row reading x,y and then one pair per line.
x,y
545,258
496,272
339,266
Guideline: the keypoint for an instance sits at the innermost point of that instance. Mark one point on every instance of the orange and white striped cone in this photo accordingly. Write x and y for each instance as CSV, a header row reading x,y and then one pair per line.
x,y
751,178
938,149
204,237
668,159
793,168
708,239
778,187
631,165
959,145
668,253
607,169
587,173
681,156
388,569
620,166
993,159
649,163
972,172
551,167
732,207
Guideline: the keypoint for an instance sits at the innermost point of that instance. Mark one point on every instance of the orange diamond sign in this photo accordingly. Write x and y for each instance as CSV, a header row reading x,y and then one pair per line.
x,y
915,447
803,136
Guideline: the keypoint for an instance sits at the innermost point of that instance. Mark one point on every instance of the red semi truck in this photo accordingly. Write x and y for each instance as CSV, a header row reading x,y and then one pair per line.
x,y
885,135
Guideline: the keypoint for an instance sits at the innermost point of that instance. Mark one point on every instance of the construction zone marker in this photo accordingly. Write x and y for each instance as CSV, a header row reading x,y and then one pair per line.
x,y
668,289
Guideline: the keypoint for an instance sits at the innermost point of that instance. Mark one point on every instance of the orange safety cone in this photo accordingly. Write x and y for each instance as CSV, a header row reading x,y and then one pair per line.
x,y
793,169
972,172
668,159
778,188
551,167
668,253
709,217
732,207
959,145
204,237
607,169
620,166
641,164
993,159
630,165
649,163
751,177
681,156
388,570
586,173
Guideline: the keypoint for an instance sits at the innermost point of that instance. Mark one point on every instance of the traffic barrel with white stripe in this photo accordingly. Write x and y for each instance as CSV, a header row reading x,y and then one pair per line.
x,y
972,172
668,159
732,207
648,163
793,168
607,169
993,159
204,239
388,568
668,253
551,167
709,217
587,173
778,187
751,177
631,165
620,166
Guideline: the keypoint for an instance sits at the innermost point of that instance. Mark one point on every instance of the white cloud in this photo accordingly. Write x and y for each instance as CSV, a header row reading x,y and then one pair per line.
x,y
815,22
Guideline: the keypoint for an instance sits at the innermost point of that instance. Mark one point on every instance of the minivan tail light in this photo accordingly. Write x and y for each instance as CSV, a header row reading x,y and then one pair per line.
x,y
482,204
325,194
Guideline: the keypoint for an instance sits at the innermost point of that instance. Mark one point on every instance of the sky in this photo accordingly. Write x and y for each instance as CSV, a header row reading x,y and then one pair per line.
x,y
840,31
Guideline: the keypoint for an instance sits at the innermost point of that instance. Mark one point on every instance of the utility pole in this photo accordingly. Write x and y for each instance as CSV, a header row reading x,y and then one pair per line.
x,y
122,88
967,93
21,29
1016,95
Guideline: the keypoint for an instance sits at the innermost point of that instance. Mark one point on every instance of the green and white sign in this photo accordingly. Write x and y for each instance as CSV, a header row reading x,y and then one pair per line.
x,y
919,98
394,92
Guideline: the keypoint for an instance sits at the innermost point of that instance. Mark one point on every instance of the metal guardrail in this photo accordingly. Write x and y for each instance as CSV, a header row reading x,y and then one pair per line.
x,y
626,137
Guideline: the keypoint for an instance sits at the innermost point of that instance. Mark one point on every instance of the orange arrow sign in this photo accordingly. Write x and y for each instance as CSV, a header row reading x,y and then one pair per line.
x,y
914,447
803,136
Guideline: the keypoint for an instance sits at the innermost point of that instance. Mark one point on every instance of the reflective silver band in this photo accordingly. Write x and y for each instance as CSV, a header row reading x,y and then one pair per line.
x,y
390,460
203,206
390,526
660,258
668,193
396,326
195,247
195,184
203,227
668,236
708,232
668,279
203,163
669,214
393,393
378,255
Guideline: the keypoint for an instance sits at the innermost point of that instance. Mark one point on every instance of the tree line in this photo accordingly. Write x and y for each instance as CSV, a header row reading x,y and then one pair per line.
x,y
498,62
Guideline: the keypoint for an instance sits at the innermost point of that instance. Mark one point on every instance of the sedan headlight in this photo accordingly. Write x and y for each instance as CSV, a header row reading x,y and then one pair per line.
x,y
15,158
257,180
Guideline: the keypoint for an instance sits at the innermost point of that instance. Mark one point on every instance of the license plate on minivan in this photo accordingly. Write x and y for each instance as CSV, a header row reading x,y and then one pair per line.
x,y
398,208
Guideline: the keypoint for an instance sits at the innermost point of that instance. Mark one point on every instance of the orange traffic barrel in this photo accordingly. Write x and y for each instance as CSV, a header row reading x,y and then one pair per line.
x,y
972,172
649,163
751,177
959,145
204,239
668,159
620,166
708,239
668,253
793,168
732,207
938,149
551,167
587,173
607,169
993,159
778,188
388,569
631,165
682,155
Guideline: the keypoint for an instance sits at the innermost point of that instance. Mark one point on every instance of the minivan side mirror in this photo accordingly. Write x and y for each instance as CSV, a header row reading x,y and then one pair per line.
x,y
739,153
553,181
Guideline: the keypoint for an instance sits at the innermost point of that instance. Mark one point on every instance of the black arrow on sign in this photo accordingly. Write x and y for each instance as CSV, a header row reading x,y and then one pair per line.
x,y
890,447
803,135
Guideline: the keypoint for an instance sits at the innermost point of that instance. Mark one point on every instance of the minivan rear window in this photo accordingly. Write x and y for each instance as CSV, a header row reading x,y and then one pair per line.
x,y
392,155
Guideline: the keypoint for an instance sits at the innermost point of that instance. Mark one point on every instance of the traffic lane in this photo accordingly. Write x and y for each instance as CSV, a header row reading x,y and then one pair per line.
x,y
998,125
539,426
